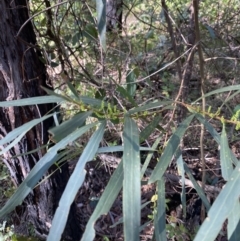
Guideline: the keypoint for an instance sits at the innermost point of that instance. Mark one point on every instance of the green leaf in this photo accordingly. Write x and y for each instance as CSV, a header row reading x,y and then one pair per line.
x,y
100,94
150,34
73,185
21,131
159,220
220,90
225,156
67,127
32,151
181,172
101,21
211,31
131,181
76,38
56,118
126,95
236,108
142,227
149,106
90,32
197,187
39,169
169,151
4,150
233,228
120,220
231,97
147,131
221,208
215,135
52,93
209,127
149,156
92,102
32,101
104,204
28,184
73,90
85,99
54,64
131,86
120,148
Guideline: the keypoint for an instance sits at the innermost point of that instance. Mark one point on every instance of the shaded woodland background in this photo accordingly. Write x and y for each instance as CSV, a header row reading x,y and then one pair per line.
x,y
160,60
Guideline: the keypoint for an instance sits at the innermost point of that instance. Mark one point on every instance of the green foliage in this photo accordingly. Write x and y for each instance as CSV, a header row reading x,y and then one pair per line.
x,y
101,20
225,156
23,238
167,86
236,116
74,183
6,233
131,181
130,168
90,101
179,232
221,209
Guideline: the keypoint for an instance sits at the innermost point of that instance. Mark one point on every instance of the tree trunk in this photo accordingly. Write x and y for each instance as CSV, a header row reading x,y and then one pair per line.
x,y
21,75
114,14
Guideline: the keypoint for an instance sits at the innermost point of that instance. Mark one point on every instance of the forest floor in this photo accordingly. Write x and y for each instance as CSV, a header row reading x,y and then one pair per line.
x,y
179,228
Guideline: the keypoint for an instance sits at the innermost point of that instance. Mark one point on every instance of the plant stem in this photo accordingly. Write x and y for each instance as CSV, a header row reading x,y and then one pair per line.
x,y
201,65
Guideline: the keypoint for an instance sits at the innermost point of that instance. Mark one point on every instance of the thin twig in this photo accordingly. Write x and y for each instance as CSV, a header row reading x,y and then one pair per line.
x,y
173,40
36,14
201,65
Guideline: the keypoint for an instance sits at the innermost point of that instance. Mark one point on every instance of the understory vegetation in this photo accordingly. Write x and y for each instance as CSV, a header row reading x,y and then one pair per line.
x,y
147,117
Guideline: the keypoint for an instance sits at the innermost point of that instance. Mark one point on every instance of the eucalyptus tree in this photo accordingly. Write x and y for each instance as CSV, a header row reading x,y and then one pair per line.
x,y
114,12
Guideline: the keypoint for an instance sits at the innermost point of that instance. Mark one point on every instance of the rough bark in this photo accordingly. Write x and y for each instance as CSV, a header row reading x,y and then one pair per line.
x,y
114,14
21,75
